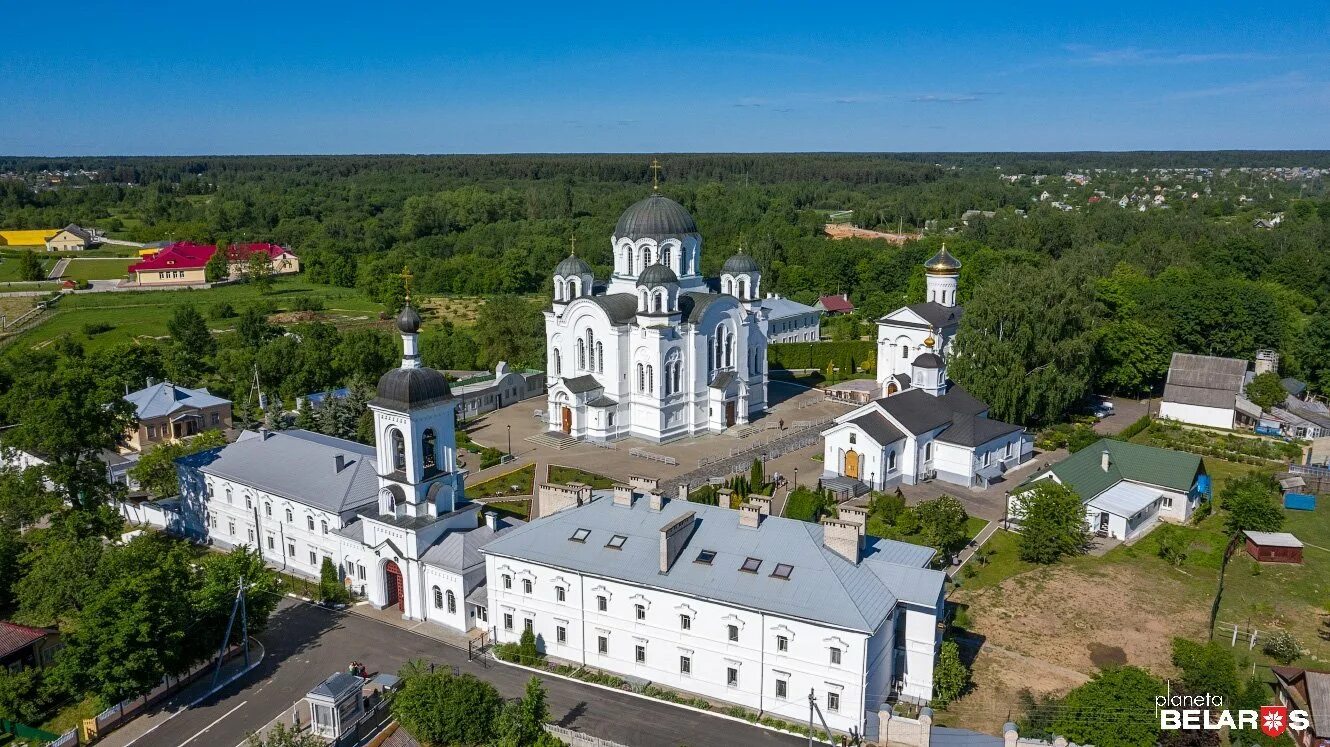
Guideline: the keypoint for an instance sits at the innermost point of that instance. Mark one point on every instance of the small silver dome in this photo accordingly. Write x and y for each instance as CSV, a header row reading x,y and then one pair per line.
x,y
657,274
408,321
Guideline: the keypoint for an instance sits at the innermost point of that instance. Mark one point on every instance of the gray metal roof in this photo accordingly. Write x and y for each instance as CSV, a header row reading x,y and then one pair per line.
x,y
722,379
928,360
694,305
406,389
971,430
783,308
920,411
300,465
938,315
160,400
336,685
459,551
1318,700
1204,380
657,274
824,587
876,425
621,308
582,384
572,265
656,216
1273,539
740,263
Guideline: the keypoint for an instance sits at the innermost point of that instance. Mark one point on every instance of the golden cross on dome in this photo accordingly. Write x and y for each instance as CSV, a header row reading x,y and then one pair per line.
x,y
572,241
406,281
655,175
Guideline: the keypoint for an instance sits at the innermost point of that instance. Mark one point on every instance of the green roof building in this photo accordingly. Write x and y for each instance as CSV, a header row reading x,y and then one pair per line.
x,y
1127,488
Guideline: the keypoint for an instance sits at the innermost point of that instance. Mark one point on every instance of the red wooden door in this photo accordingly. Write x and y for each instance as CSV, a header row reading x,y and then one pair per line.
x,y
393,585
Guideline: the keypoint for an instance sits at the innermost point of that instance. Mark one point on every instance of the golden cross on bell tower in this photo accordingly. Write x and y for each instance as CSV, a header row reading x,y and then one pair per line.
x,y
655,175
406,281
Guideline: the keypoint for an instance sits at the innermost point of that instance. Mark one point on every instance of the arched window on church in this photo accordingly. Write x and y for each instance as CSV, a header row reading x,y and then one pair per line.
x,y
642,300
658,302
729,350
675,375
581,355
399,448
665,255
574,288
743,287
452,602
600,357
429,449
905,351
720,346
641,378
727,286
437,593
891,460
651,379
558,362
558,289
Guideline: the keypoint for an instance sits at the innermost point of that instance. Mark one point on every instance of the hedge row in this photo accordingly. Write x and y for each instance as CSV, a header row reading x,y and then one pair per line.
x,y
844,355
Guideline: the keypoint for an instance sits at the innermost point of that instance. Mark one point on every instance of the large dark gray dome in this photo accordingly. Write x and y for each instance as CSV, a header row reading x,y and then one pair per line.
x,y
405,389
657,215
740,263
657,274
572,265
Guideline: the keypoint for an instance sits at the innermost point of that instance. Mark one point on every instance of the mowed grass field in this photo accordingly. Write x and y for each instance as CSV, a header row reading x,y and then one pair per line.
x,y
144,314
99,268
10,266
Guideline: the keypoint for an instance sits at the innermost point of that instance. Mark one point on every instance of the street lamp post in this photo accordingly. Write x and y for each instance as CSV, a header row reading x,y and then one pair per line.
x,y
510,439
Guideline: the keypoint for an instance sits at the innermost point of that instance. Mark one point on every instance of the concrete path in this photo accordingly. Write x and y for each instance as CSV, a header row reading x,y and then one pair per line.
x,y
58,269
984,535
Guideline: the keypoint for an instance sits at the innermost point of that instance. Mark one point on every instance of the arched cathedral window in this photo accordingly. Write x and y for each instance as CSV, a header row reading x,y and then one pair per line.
x,y
651,378
600,357
581,355
452,602
641,378
558,362
438,597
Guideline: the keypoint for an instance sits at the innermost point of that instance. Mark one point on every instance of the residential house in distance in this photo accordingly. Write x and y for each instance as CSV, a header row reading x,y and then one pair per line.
x,y
181,263
1127,488
24,647
71,238
281,261
1306,690
1207,390
737,606
184,262
488,392
167,412
835,305
791,321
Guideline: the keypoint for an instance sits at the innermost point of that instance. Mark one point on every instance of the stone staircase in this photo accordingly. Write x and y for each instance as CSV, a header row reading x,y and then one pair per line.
x,y
553,439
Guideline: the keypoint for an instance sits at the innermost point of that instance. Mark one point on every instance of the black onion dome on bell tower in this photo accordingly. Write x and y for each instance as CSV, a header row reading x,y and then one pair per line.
x,y
406,389
657,215
408,321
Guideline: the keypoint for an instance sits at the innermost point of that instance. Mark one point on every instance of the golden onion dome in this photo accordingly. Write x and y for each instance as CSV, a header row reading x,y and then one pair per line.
x,y
942,263
929,341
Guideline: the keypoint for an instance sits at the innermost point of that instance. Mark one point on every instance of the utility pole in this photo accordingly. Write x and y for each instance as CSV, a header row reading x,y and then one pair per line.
x,y
236,606
813,709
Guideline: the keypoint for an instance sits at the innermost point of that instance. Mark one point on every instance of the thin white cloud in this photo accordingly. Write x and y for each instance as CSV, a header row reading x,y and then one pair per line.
x,y
1289,82
1086,55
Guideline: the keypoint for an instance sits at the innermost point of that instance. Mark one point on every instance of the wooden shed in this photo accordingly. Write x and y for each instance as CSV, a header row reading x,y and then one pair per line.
x,y
1274,547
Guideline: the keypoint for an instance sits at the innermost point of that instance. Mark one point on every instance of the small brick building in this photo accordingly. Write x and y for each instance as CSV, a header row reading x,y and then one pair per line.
x,y
1274,547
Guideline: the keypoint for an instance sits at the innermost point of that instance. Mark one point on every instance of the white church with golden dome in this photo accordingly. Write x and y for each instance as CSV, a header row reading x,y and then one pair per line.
x,y
655,351
922,426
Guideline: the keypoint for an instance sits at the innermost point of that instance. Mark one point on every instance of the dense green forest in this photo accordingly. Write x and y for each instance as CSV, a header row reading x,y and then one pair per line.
x,y
1099,294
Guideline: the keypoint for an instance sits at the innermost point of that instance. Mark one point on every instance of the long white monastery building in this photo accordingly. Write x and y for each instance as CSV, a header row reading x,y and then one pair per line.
x,y
733,605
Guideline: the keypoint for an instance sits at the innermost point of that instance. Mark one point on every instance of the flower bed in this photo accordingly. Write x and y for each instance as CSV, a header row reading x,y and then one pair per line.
x,y
1235,448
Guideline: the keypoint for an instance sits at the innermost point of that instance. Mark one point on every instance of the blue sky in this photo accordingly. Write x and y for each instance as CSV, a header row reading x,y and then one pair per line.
x,y
656,77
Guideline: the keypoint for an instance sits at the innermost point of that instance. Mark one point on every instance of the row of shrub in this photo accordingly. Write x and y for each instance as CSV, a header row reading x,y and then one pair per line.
x,y
846,356
775,723
1222,445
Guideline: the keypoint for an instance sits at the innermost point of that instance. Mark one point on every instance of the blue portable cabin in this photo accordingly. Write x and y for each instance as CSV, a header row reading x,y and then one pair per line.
x,y
1300,501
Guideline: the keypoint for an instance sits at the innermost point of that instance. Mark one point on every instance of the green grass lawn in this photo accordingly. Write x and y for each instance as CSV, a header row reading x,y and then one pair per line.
x,y
72,715
564,475
10,266
1002,562
516,509
101,268
135,314
523,478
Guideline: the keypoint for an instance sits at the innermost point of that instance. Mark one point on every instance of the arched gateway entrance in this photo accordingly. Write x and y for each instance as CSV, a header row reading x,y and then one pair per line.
x,y
392,586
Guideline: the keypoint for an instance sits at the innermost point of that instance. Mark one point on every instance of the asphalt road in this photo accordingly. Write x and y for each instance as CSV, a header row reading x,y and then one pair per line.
x,y
306,643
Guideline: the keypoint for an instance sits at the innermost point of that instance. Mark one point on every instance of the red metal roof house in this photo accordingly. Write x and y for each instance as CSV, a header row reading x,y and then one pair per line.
x,y
836,304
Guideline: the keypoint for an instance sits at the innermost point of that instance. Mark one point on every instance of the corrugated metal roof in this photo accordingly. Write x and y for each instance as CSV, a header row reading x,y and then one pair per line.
x,y
1083,471
1204,380
1273,539
1125,499
823,587
301,465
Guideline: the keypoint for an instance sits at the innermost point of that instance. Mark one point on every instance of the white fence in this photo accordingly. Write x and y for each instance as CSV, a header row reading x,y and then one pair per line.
x,y
68,739
644,454
578,739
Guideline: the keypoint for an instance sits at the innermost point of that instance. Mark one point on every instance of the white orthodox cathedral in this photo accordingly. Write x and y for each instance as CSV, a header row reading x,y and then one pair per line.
x,y
658,351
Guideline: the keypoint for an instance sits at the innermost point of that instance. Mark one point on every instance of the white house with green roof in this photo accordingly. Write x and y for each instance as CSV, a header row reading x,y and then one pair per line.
x,y
1127,488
